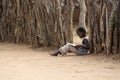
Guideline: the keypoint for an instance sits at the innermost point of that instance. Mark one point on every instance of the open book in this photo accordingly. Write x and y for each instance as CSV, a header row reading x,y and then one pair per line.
x,y
71,44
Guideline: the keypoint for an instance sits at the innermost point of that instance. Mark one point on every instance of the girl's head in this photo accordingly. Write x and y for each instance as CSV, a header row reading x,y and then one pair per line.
x,y
81,32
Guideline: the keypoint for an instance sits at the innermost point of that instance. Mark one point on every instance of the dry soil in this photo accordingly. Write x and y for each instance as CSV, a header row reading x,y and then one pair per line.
x,y
21,62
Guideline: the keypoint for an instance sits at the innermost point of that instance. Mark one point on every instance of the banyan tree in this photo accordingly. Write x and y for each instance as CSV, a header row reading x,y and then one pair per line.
x,y
49,22
36,22
104,25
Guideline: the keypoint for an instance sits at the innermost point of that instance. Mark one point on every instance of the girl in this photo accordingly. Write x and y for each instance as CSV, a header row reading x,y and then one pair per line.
x,y
77,49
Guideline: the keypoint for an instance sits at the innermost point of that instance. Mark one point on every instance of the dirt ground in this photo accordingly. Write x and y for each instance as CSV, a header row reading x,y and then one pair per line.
x,y
21,62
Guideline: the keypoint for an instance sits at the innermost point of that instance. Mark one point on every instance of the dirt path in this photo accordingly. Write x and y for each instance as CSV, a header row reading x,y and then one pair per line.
x,y
20,62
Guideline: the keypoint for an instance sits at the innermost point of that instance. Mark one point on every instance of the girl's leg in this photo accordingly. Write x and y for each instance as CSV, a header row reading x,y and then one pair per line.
x,y
81,51
67,48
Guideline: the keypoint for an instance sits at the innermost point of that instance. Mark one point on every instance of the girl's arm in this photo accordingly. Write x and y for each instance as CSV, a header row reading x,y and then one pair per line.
x,y
85,44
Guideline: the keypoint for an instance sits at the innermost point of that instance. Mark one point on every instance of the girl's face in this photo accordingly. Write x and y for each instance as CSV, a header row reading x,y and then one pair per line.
x,y
81,34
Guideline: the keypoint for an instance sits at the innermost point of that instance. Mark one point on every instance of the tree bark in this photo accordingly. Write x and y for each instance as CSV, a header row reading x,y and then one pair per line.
x,y
83,11
35,22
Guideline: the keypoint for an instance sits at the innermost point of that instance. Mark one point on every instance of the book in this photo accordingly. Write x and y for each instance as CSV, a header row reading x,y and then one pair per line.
x,y
71,44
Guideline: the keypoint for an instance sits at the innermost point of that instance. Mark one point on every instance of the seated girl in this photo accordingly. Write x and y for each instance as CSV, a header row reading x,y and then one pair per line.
x,y
80,49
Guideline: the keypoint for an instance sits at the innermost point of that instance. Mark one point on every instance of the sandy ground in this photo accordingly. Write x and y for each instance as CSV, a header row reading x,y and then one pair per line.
x,y
20,62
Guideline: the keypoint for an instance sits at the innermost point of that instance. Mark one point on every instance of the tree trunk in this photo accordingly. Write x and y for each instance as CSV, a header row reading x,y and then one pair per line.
x,y
36,22
102,34
83,11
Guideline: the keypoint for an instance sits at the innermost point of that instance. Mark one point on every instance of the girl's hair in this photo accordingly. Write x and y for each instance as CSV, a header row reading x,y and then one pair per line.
x,y
81,29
